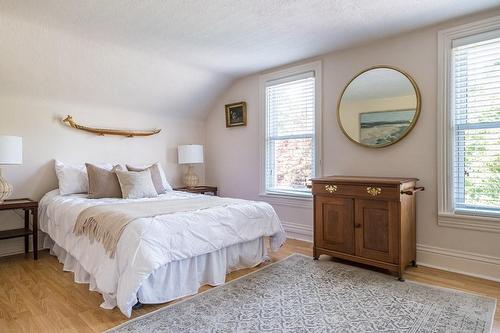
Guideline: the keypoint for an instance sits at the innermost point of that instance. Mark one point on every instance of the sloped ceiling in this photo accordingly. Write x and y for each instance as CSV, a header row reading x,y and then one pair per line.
x,y
176,56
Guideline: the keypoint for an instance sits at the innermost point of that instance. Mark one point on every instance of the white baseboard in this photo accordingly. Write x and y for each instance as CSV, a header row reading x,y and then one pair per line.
x,y
10,247
463,262
467,263
298,231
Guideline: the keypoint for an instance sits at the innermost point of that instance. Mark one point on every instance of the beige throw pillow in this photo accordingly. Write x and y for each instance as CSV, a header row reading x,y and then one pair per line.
x,y
103,183
136,184
155,176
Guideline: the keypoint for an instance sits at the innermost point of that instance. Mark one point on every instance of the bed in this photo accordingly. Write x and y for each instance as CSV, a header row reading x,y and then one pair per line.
x,y
160,258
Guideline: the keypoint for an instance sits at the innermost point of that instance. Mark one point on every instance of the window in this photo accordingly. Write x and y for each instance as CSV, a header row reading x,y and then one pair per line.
x,y
290,130
476,128
469,126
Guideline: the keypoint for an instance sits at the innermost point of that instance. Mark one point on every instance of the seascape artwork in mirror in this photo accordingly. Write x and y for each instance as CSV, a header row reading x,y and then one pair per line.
x,y
379,107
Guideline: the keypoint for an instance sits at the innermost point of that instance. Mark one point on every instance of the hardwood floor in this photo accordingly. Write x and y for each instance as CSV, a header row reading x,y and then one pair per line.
x,y
40,297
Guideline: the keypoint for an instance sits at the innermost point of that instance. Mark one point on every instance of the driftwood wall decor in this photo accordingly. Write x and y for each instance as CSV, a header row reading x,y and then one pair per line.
x,y
106,131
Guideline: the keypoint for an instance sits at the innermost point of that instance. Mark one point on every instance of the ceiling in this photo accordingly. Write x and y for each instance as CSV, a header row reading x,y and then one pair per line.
x,y
176,57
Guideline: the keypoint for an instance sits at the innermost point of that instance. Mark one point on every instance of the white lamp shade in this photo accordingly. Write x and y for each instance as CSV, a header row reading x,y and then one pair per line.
x,y
190,154
11,149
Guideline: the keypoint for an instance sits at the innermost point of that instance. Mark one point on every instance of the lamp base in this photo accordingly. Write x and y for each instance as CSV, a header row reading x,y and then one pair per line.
x,y
190,178
5,189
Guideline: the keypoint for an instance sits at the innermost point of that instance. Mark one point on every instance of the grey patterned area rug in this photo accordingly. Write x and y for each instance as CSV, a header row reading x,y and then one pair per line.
x,y
301,295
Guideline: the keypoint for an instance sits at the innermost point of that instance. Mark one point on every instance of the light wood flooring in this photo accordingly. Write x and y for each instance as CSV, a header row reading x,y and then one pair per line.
x,y
40,297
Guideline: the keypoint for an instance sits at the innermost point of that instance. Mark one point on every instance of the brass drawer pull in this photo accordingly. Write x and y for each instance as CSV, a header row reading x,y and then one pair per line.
x,y
331,188
373,191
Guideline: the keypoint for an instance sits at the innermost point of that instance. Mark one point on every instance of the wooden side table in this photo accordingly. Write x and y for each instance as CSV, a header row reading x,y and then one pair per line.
x,y
27,205
198,189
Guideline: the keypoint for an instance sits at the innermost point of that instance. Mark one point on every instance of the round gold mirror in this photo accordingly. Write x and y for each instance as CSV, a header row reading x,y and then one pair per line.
x,y
379,107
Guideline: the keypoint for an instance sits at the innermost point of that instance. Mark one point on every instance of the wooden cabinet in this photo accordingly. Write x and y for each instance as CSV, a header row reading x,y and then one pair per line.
x,y
367,220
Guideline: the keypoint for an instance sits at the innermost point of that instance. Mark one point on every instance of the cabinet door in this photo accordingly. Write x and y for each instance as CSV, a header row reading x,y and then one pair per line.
x,y
334,224
377,230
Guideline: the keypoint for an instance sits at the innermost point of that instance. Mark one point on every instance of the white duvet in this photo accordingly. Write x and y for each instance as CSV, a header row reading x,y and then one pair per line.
x,y
149,243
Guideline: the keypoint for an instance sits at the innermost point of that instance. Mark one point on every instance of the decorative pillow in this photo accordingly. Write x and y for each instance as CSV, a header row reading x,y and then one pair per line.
x,y
73,178
157,175
103,183
136,184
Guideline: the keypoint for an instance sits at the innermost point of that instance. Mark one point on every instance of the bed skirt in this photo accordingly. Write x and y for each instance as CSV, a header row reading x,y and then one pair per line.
x,y
176,279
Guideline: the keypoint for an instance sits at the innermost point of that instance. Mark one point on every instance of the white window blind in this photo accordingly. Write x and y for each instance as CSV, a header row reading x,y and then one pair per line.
x,y
290,133
476,123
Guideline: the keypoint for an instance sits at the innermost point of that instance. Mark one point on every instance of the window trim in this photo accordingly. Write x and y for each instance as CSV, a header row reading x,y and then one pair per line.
x,y
447,215
288,198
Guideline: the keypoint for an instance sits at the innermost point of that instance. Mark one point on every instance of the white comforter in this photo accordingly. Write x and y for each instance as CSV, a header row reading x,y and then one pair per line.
x,y
149,243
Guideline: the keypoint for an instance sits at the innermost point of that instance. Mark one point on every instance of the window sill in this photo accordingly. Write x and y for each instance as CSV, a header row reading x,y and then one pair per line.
x,y
469,222
292,200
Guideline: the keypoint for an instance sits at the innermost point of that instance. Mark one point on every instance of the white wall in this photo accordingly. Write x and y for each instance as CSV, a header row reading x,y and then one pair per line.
x,y
45,138
233,154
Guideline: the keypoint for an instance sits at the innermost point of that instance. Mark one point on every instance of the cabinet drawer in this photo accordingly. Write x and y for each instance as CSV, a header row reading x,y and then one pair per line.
x,y
361,191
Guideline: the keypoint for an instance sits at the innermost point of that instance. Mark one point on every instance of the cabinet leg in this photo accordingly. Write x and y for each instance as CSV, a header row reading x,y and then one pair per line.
x,y
414,263
315,254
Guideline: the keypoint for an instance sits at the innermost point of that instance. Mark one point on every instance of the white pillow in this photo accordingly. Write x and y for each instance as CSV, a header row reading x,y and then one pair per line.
x,y
166,184
73,178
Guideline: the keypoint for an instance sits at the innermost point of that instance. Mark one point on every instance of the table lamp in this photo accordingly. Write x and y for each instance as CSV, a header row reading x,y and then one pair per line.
x,y
11,153
190,154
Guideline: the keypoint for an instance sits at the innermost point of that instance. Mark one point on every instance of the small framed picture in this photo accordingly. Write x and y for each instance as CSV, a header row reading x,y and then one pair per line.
x,y
236,114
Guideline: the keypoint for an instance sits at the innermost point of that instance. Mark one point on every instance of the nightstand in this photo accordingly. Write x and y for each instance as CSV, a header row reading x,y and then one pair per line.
x,y
198,189
27,205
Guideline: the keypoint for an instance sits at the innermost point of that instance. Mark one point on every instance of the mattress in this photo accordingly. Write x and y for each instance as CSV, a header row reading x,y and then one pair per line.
x,y
164,257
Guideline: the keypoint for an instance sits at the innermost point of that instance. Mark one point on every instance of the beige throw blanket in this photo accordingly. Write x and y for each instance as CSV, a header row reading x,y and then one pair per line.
x,y
105,223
